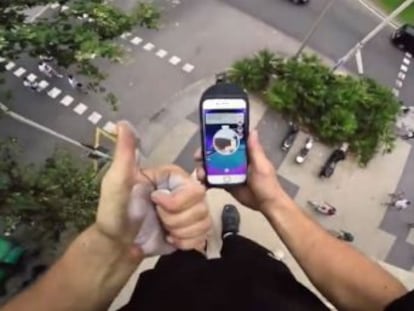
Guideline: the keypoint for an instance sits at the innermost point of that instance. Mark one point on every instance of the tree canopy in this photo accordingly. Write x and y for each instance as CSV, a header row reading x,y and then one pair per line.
x,y
336,108
73,37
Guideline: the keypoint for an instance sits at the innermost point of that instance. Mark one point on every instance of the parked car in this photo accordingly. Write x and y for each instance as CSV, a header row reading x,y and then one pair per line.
x,y
299,1
403,38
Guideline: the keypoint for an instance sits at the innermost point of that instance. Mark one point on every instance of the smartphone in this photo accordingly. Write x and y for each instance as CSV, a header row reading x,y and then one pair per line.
x,y
224,117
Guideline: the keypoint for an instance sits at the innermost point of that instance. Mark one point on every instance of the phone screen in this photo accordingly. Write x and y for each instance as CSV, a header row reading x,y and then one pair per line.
x,y
225,140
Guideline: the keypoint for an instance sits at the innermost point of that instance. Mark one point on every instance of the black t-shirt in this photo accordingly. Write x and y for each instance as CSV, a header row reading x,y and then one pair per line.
x,y
227,284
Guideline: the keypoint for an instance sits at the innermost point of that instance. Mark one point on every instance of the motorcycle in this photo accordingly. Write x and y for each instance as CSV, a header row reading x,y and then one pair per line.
x,y
290,136
342,235
221,77
337,156
303,153
323,208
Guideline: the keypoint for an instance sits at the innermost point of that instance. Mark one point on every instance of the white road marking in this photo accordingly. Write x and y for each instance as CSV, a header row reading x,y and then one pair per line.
x,y
67,100
376,13
149,46
55,5
95,117
126,35
32,77
55,92
396,92
10,66
110,127
43,84
398,83
19,72
80,109
360,65
401,75
175,60
136,41
161,53
188,68
406,61
408,55
404,68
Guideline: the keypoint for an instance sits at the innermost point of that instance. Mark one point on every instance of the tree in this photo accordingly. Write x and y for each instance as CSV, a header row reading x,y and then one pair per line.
x,y
73,37
60,193
335,108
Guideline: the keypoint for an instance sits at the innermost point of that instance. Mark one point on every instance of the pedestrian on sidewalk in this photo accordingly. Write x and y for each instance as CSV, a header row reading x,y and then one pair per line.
x,y
75,84
48,70
32,85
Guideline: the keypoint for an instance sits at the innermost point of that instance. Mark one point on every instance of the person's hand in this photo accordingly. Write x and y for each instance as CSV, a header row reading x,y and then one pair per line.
x,y
262,188
127,212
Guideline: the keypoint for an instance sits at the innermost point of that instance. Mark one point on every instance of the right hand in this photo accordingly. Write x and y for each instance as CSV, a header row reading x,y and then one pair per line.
x,y
262,189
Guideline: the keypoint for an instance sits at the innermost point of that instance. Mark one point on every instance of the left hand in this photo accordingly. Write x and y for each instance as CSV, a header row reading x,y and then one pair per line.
x,y
126,210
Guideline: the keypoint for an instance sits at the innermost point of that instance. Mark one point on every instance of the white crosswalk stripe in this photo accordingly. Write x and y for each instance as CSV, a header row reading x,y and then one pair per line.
x,y
175,60
95,117
396,92
10,66
32,77
149,46
43,84
67,100
54,92
19,72
401,75
406,61
136,41
80,109
398,83
404,68
161,53
110,127
188,68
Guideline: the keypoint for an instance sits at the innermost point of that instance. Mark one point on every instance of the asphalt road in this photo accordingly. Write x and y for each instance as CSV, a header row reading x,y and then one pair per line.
x,y
346,23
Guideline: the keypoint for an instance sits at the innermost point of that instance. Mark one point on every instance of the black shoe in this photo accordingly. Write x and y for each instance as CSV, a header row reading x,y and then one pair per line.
x,y
230,220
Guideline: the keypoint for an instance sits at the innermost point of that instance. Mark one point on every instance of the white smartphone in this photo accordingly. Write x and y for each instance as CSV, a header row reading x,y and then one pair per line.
x,y
224,133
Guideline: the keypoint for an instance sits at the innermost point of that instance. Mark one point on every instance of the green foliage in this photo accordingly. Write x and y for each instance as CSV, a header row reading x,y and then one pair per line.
x,y
61,193
255,73
336,108
74,37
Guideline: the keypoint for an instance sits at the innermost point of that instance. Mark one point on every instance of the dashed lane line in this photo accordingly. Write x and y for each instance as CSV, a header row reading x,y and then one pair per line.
x,y
32,77
160,53
402,74
110,127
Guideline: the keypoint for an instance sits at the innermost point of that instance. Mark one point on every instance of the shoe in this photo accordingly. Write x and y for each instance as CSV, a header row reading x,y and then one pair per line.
x,y
230,220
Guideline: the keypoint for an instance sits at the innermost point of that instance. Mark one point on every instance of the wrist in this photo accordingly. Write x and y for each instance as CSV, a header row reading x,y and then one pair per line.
x,y
281,201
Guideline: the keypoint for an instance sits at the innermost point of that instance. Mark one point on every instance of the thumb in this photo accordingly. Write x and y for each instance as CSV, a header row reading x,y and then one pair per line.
x,y
256,153
125,156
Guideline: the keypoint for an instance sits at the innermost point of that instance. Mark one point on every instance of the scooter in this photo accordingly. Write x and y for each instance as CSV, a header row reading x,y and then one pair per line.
x,y
337,156
290,136
323,208
342,235
303,153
